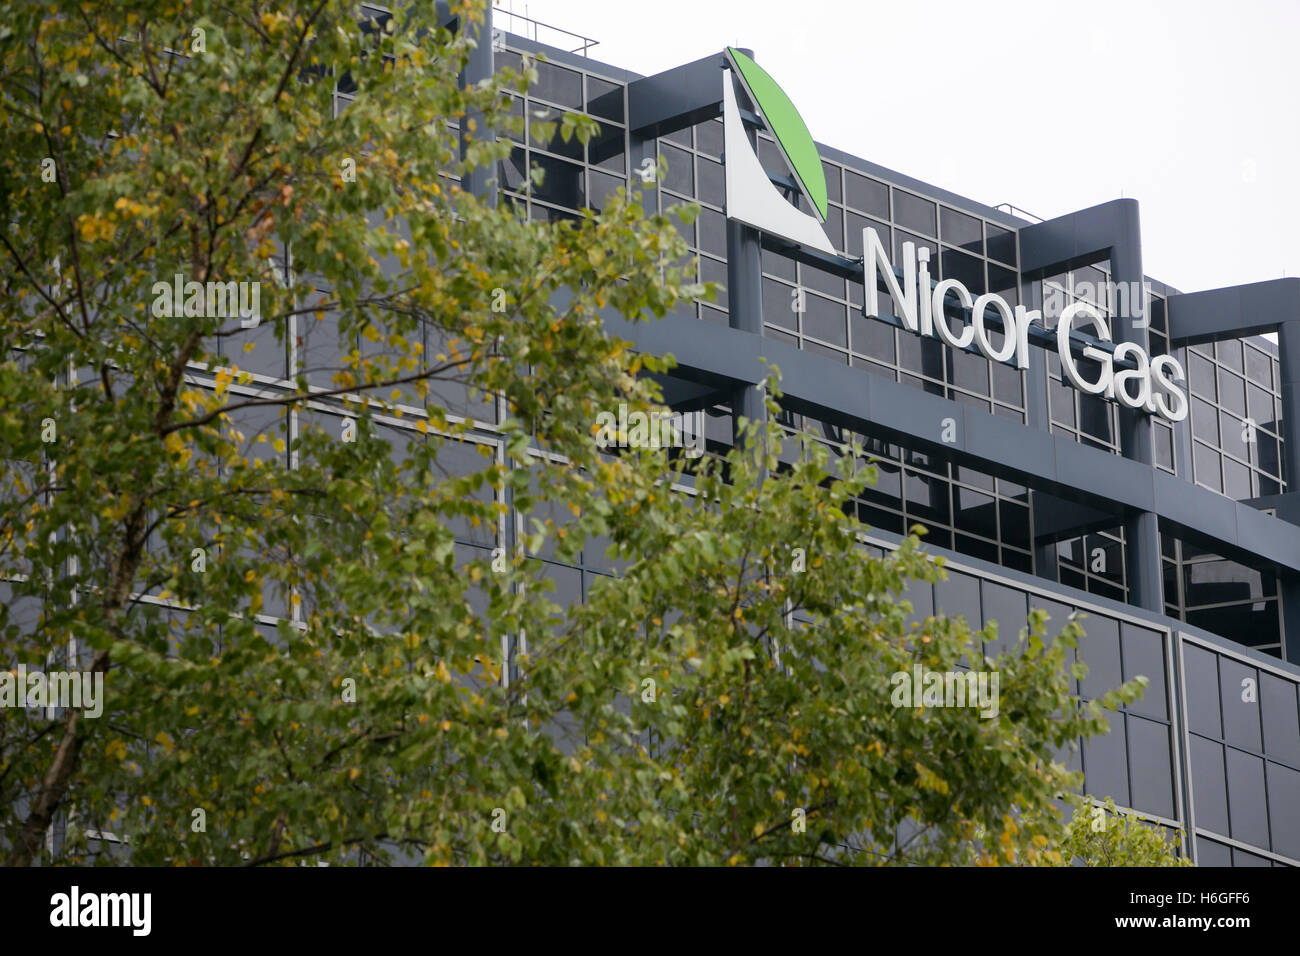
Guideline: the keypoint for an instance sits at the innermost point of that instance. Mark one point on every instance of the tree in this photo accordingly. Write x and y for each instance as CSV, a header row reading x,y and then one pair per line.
x,y
1101,835
715,701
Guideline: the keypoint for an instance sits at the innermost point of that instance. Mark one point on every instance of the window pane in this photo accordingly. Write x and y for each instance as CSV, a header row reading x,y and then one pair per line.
x,y
1209,788
913,212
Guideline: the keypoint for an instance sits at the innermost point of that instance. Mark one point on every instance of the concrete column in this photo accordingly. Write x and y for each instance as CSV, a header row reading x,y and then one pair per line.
x,y
745,310
1288,347
1141,531
479,68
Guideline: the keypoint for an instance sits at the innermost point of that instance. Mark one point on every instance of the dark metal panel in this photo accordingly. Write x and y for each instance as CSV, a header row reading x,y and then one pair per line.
x,y
1187,504
1104,475
676,98
1079,238
1235,311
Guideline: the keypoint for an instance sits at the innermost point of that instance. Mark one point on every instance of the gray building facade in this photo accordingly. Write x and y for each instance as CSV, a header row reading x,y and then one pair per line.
x,y
1178,540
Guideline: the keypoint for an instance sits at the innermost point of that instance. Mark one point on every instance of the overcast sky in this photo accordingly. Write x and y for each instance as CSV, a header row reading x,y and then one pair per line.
x,y
1192,108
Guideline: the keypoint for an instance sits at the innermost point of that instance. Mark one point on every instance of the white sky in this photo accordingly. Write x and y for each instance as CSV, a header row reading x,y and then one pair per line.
x,y
1023,102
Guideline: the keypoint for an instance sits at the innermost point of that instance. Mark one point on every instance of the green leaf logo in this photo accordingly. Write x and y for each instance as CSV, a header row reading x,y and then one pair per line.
x,y
787,126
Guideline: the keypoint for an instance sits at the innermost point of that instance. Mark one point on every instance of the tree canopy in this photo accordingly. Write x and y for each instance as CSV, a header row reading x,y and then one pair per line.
x,y
346,460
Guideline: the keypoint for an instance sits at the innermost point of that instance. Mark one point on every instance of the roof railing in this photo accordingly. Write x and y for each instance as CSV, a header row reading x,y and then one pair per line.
x,y
1011,210
523,25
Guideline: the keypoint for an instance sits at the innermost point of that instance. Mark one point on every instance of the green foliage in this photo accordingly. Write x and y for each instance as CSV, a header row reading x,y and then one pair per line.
x,y
1103,836
702,700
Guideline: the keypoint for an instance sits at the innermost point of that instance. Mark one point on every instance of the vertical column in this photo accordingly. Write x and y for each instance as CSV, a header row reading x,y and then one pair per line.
x,y
479,67
745,309
1142,531
1038,415
1288,348
745,302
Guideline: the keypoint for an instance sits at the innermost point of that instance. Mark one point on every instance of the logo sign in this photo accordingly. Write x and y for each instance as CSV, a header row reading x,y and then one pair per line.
x,y
751,196
1152,385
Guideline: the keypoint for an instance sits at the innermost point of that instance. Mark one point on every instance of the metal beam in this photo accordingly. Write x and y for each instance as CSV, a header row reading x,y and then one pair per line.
x,y
677,98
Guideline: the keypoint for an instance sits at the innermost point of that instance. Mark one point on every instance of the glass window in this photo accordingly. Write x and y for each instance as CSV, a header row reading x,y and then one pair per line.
x,y
1240,717
901,237
968,370
1283,801
1163,438
1004,282
1258,367
832,174
1204,422
873,338
1281,718
604,99
256,350
834,226
1008,384
965,268
1002,244
557,85
1206,462
1255,625
1209,788
713,270
563,182
708,137
1095,414
713,184
458,459
821,281
1062,401
1228,351
1241,858
1210,853
679,178
913,212
866,195
1144,655
1105,762
959,229
1008,606
1236,480
1260,406
568,584
1232,392
975,512
1247,809
1099,650
1152,771
959,596
1015,524
608,149
920,594
1201,375
603,186
777,301
713,231
771,157
825,320
985,551
555,142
